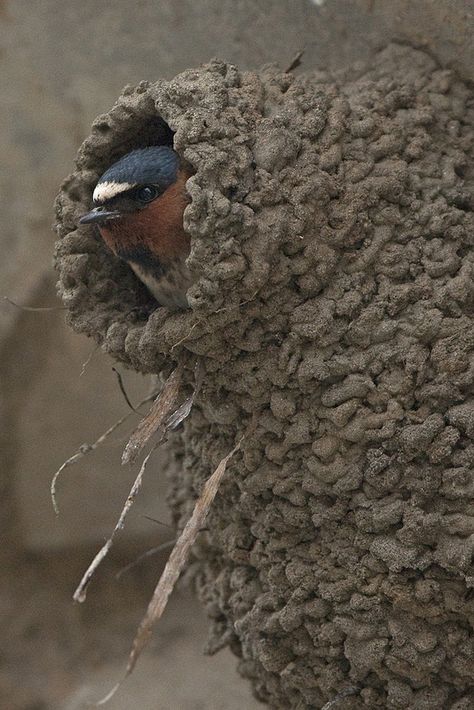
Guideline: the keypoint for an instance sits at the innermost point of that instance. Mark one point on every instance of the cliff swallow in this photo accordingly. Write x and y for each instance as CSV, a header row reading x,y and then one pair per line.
x,y
138,207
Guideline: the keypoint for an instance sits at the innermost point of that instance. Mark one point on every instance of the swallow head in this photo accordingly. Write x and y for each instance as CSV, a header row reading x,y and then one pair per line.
x,y
132,183
139,204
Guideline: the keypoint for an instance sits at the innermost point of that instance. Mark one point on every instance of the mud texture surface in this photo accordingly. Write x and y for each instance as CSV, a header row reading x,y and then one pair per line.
x,y
332,229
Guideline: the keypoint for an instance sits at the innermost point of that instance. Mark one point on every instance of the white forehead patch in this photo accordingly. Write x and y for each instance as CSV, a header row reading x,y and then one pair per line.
x,y
106,190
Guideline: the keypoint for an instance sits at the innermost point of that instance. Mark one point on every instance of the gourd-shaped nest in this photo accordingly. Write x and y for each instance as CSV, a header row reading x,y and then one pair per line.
x,y
331,222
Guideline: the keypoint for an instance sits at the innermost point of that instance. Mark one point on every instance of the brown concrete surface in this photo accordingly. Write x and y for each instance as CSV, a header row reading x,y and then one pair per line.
x,y
60,65
175,674
60,656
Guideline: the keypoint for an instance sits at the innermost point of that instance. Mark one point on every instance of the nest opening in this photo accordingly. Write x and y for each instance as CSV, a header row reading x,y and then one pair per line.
x,y
92,278
141,129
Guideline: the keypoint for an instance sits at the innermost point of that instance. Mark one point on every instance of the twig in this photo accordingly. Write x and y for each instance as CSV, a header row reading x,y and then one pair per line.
x,y
144,555
86,449
295,62
174,566
178,557
343,694
88,359
175,419
153,550
81,591
185,337
163,415
239,305
160,410
201,320
158,522
122,389
33,309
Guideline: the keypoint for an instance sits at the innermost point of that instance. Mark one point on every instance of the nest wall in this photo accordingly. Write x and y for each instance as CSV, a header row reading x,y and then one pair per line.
x,y
331,221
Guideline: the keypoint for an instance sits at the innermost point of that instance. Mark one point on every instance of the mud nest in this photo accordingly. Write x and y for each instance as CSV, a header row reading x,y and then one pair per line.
x,y
331,220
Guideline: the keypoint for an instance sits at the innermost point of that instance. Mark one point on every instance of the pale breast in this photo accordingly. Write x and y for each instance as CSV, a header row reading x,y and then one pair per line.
x,y
170,288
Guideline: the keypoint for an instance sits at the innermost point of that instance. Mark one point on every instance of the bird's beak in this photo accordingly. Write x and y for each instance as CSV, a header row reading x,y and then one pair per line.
x,y
99,215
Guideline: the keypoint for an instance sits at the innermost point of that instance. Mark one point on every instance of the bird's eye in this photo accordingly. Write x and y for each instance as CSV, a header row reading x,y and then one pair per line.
x,y
147,193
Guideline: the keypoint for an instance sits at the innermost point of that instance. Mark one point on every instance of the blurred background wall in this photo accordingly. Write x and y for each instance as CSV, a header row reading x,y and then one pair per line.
x,y
61,65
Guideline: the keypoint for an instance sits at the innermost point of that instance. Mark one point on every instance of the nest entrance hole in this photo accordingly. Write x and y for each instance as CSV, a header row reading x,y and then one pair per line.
x,y
140,127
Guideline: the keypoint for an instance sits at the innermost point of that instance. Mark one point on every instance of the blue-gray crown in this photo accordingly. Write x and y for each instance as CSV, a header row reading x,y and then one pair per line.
x,y
156,165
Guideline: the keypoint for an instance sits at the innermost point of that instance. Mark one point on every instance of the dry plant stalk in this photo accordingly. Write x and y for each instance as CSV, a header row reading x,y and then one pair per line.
x,y
81,591
87,361
295,62
343,694
149,553
162,416
123,390
34,309
185,408
86,449
174,567
161,409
